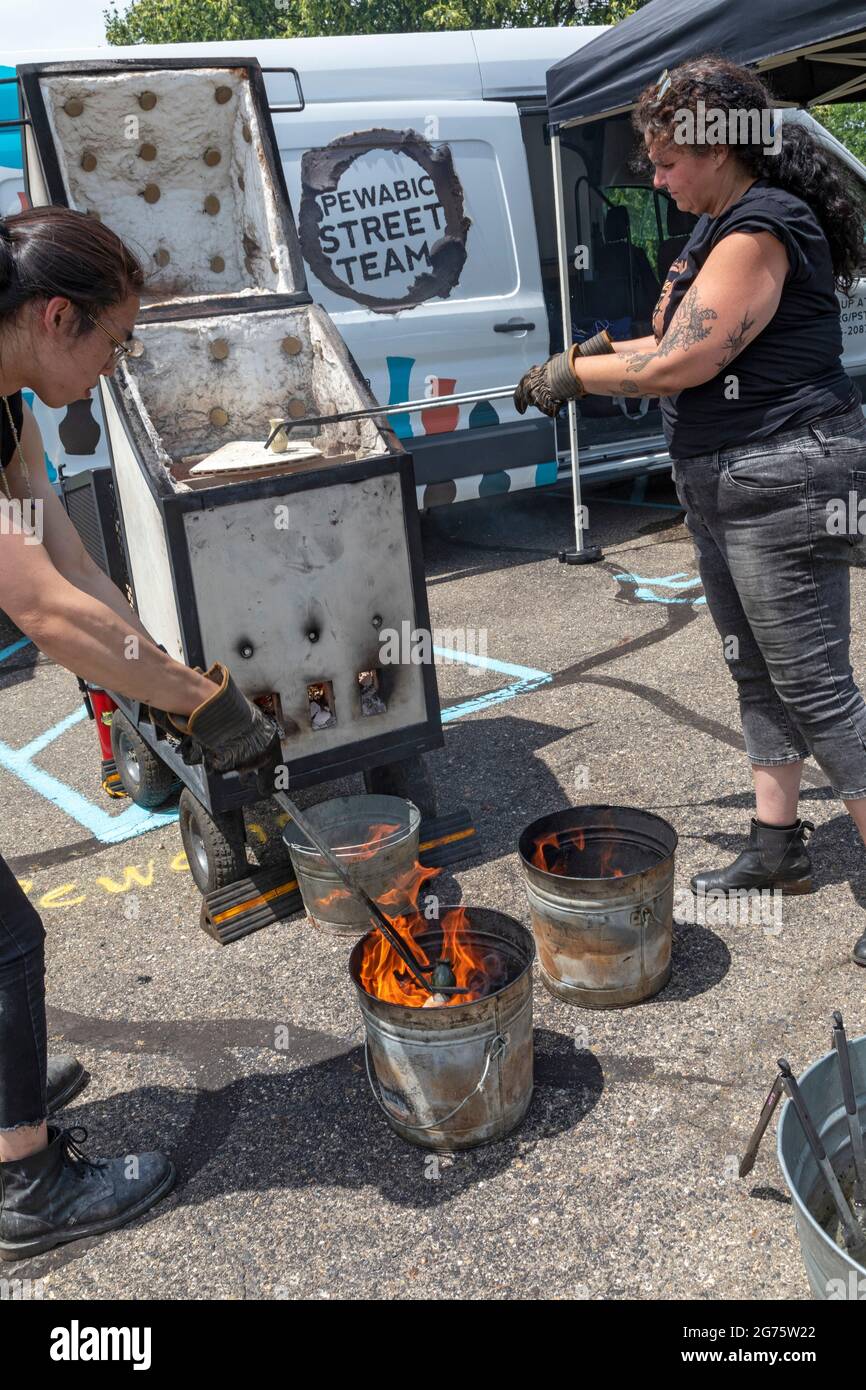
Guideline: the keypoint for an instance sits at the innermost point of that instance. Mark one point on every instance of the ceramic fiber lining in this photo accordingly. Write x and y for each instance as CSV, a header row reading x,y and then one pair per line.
x,y
111,131
184,387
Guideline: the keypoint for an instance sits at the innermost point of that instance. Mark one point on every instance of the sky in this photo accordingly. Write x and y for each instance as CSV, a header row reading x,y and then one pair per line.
x,y
54,24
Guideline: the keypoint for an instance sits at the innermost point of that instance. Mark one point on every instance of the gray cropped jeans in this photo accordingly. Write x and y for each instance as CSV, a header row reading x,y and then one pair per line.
x,y
776,526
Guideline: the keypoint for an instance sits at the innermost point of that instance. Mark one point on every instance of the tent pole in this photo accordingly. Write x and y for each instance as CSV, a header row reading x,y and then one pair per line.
x,y
581,555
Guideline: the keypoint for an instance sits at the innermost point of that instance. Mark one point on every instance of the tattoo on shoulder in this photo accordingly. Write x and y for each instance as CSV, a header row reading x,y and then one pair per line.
x,y
736,340
691,324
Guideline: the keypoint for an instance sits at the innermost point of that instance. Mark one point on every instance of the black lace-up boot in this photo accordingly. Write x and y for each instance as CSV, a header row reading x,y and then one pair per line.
x,y
775,857
59,1194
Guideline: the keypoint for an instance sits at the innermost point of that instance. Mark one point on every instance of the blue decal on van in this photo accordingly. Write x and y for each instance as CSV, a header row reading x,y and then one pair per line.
x,y
491,483
11,155
481,415
546,473
399,372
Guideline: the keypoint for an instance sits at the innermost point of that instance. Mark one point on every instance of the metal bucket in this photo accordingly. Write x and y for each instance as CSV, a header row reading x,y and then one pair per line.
x,y
604,942
453,1077
831,1271
346,825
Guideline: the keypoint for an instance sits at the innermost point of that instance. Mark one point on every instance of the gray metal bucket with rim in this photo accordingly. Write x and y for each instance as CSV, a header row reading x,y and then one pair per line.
x,y
453,1077
832,1273
603,942
346,824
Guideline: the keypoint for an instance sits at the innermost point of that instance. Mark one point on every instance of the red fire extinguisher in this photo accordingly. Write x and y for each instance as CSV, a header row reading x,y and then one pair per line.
x,y
100,707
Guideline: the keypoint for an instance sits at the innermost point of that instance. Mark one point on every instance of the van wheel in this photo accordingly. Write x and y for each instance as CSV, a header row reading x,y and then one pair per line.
x,y
214,845
145,778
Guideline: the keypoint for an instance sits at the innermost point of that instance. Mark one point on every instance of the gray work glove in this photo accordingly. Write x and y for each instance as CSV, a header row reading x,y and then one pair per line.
x,y
232,732
549,386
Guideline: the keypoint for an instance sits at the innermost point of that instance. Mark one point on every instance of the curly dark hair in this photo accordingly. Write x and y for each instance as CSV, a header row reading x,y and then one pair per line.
x,y
802,166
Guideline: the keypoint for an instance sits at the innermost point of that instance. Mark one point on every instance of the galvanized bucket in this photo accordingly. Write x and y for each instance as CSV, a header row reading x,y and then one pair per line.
x,y
454,1077
832,1273
346,825
604,942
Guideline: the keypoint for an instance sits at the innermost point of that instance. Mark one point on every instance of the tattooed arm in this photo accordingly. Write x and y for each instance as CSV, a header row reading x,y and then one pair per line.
x,y
729,303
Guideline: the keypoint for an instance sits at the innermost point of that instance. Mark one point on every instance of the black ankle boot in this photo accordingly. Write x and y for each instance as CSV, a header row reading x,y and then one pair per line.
x,y
858,955
58,1194
776,857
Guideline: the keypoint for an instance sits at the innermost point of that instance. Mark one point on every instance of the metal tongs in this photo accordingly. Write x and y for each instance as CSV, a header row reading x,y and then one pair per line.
x,y
854,1233
368,412
385,926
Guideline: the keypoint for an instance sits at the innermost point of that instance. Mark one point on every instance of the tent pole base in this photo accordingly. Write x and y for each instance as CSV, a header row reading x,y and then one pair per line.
x,y
586,556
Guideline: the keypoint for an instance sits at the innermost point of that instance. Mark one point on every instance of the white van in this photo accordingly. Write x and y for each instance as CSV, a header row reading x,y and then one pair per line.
x,y
419,171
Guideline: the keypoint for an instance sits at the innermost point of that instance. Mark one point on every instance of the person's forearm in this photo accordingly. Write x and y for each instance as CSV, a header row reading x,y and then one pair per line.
x,y
630,374
96,582
636,345
83,634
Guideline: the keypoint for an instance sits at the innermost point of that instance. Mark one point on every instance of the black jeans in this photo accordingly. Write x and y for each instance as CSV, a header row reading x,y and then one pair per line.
x,y
23,1040
776,526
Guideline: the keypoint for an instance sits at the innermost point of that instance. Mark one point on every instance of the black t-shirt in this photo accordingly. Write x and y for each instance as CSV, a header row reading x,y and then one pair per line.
x,y
791,372
7,438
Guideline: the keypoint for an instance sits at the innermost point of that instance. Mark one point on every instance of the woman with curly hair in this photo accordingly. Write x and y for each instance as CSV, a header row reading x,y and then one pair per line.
x,y
765,430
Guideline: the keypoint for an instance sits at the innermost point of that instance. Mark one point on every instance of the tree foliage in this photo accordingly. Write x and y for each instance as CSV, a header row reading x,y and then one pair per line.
x,y
204,21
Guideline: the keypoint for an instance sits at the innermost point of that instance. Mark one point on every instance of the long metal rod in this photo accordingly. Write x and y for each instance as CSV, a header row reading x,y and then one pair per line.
x,y
840,1042
747,1162
855,1239
385,926
400,407
565,305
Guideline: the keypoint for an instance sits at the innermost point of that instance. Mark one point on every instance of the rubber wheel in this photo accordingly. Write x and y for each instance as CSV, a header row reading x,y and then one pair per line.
x,y
409,779
214,845
145,778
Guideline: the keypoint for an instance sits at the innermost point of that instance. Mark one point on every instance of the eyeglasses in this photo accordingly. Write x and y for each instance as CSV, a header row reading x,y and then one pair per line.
x,y
120,349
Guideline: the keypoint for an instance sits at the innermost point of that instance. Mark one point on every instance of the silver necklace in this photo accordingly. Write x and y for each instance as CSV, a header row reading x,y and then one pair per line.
x,y
21,459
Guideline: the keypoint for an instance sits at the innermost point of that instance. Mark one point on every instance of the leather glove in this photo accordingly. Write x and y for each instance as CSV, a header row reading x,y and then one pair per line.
x,y
548,387
232,732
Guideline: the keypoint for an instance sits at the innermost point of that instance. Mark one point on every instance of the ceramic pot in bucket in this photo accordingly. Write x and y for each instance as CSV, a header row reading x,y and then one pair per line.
x,y
376,837
454,1077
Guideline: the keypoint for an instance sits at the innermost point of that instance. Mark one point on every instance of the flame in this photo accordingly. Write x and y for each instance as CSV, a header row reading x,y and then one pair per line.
x,y
376,834
386,976
554,843
551,852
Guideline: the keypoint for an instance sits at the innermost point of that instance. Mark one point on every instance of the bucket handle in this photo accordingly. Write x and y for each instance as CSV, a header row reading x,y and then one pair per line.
x,y
644,914
495,1048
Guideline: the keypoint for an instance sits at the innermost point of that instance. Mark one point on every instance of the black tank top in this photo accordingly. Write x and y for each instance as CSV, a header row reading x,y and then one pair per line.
x,y
7,438
792,372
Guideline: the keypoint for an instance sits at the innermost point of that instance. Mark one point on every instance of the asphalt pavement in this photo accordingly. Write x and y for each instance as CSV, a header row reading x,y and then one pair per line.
x,y
245,1062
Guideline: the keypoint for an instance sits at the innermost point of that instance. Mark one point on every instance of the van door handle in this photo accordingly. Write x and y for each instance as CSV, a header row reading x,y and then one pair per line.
x,y
513,326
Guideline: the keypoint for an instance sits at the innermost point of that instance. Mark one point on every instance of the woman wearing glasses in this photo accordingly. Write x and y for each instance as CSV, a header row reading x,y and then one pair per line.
x,y
69,296
765,429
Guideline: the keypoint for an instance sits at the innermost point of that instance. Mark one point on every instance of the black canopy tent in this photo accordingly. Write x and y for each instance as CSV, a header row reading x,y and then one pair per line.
x,y
812,51
815,49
